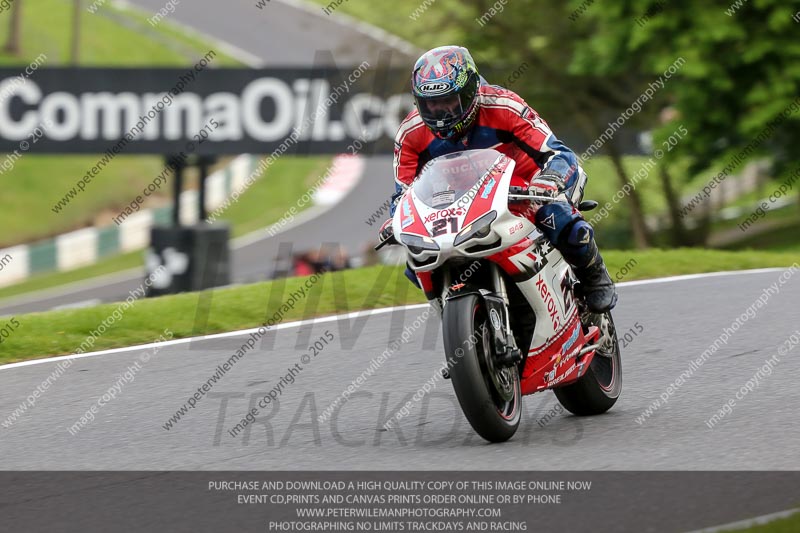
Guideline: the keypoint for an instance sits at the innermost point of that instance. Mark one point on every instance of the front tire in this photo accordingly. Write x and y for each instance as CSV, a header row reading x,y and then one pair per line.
x,y
599,388
490,396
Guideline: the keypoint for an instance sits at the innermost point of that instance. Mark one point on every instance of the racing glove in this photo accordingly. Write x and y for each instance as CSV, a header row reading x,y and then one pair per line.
x,y
386,234
549,184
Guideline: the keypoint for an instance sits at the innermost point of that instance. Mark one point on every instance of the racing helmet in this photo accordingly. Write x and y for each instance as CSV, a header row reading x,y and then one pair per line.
x,y
445,84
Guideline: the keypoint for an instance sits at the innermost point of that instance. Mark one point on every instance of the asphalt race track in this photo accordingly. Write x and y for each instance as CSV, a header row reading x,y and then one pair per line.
x,y
679,320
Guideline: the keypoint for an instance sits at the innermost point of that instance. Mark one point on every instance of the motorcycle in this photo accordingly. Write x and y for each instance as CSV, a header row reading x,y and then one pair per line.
x,y
513,320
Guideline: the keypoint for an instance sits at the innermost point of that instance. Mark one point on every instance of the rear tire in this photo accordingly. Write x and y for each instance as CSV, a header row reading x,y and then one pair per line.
x,y
599,388
490,397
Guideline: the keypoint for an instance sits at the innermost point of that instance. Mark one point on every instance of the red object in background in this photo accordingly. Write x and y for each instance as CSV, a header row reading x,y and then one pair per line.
x,y
302,267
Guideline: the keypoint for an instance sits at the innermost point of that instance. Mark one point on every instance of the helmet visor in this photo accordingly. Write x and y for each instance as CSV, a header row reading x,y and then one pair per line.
x,y
441,112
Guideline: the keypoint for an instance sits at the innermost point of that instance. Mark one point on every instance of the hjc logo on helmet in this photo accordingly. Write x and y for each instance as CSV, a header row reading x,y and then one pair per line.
x,y
433,88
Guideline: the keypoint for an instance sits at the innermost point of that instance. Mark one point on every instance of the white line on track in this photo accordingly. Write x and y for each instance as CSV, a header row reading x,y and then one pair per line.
x,y
238,333
698,276
354,314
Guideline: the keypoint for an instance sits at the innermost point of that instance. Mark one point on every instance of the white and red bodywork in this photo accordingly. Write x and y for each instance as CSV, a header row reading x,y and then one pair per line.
x,y
539,270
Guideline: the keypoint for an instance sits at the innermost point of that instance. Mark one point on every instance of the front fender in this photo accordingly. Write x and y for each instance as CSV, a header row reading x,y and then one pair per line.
x,y
464,290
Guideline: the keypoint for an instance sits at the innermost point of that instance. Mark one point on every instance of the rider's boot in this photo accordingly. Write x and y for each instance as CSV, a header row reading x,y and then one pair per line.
x,y
596,285
580,250
574,238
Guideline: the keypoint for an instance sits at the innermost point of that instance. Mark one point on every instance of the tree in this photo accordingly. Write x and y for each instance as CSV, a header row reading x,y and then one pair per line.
x,y
13,43
76,32
740,81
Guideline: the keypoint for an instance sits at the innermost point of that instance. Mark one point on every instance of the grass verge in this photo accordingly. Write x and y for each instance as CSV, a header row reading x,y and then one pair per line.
x,y
61,332
38,182
264,203
46,28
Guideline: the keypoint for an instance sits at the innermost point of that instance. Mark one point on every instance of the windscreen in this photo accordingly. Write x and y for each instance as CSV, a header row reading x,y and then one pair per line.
x,y
447,178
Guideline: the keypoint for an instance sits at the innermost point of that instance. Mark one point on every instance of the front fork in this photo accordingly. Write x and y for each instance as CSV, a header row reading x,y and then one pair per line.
x,y
505,347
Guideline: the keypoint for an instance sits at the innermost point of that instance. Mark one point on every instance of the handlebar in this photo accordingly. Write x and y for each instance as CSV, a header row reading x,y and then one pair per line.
x,y
522,193
536,197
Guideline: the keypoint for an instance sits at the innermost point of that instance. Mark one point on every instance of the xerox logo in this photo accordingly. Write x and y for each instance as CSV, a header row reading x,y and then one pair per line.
x,y
547,298
444,213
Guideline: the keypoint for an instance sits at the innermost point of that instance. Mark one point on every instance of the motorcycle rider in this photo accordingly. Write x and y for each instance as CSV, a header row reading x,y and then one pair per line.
x,y
457,110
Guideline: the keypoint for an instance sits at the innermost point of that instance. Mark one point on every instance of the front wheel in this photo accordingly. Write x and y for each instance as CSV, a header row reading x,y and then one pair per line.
x,y
599,388
489,395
